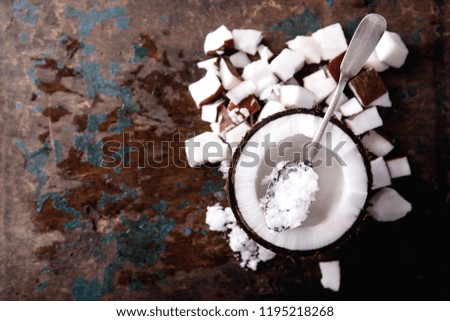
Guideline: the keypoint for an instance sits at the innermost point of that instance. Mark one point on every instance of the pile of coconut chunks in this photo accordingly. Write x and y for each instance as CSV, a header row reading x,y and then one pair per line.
x,y
244,79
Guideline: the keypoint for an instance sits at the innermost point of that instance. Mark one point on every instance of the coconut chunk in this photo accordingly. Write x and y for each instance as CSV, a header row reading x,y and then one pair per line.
x,y
368,87
398,167
350,107
247,107
263,83
208,64
391,50
342,99
220,219
215,128
271,93
364,121
206,90
239,59
297,96
387,205
234,136
270,108
225,121
382,101
380,173
264,52
331,41
319,84
257,70
331,275
206,147
373,62
334,66
287,63
308,47
229,76
218,40
210,112
247,40
241,91
377,144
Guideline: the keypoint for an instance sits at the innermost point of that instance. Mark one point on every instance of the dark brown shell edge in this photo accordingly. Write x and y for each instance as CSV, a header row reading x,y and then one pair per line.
x,y
329,251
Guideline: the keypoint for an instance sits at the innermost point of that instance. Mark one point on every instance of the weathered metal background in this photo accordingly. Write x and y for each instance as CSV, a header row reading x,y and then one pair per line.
x,y
75,74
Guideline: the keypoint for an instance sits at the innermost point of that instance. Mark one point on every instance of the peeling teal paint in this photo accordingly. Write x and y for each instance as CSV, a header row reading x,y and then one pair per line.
x,y
83,290
160,275
24,37
35,163
85,141
140,52
90,71
135,285
160,207
25,12
300,24
188,231
107,199
210,187
36,109
415,37
87,48
179,184
42,285
32,69
330,3
58,151
114,68
183,204
46,270
89,19
140,244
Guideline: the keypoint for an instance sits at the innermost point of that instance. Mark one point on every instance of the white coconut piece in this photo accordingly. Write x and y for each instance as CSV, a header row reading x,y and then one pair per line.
x,y
271,93
241,91
218,40
239,59
287,63
247,40
215,127
206,89
398,167
331,40
387,205
234,136
264,52
308,47
297,96
382,101
350,107
257,70
319,84
374,62
210,112
331,275
263,83
342,99
206,147
229,77
391,50
208,64
270,108
220,219
377,144
380,173
364,121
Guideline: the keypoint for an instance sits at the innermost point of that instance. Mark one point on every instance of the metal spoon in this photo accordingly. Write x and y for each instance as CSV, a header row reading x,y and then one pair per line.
x,y
362,44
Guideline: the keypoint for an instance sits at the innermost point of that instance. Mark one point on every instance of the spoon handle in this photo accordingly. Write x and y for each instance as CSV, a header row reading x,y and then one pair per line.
x,y
364,41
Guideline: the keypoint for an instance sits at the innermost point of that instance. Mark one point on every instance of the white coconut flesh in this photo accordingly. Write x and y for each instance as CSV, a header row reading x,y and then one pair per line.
x,y
342,189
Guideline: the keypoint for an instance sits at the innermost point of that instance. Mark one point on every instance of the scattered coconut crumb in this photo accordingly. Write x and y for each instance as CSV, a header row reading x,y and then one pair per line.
x,y
251,253
289,198
331,275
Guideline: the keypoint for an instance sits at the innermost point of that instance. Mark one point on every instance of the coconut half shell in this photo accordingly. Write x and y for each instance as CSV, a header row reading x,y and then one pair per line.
x,y
249,219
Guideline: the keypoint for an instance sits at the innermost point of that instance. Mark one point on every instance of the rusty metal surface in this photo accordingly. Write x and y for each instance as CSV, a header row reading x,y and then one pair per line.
x,y
74,75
